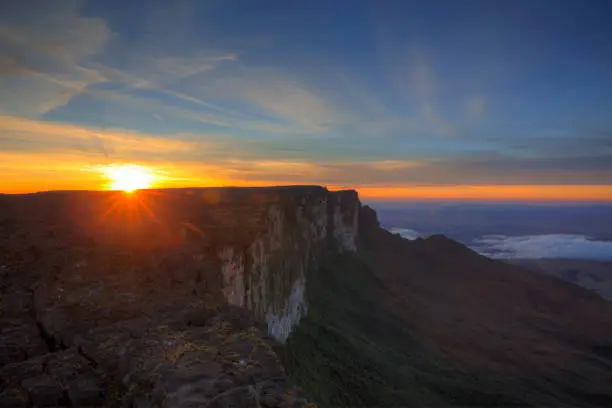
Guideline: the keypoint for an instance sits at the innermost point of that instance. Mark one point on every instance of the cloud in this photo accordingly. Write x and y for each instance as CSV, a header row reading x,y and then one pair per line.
x,y
58,32
275,158
32,135
53,55
161,71
284,100
406,233
45,54
455,170
544,246
157,71
414,76
58,53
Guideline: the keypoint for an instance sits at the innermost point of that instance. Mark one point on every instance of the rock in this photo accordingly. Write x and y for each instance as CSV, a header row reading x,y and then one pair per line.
x,y
241,397
13,398
237,349
203,374
85,392
196,369
100,308
10,352
188,395
43,391
13,374
199,317
67,365
19,341
104,347
270,394
223,383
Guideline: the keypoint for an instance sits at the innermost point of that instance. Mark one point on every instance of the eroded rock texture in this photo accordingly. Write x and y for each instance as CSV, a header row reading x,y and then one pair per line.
x,y
173,298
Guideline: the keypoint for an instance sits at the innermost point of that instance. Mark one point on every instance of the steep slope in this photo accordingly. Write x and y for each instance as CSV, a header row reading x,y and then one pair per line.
x,y
593,275
432,323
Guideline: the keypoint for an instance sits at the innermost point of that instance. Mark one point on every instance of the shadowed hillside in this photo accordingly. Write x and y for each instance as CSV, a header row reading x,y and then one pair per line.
x,y
593,275
432,323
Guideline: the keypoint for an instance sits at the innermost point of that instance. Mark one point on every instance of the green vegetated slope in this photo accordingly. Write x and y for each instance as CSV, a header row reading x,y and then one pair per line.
x,y
430,323
349,351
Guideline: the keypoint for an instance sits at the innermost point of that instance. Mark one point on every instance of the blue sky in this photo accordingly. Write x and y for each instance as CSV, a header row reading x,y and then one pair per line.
x,y
379,93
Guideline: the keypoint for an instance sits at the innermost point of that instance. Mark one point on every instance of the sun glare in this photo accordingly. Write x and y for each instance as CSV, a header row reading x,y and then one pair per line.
x,y
129,177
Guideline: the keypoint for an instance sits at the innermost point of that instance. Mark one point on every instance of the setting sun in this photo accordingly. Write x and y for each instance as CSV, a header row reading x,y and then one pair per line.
x,y
129,177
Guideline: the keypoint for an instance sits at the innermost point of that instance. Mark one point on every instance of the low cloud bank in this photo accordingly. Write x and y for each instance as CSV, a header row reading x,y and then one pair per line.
x,y
406,233
567,246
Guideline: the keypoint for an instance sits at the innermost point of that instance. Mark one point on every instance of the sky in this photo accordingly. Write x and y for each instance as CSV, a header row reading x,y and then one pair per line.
x,y
398,99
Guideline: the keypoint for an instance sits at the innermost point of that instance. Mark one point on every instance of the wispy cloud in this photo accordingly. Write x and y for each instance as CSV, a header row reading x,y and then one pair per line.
x,y
43,56
33,135
414,76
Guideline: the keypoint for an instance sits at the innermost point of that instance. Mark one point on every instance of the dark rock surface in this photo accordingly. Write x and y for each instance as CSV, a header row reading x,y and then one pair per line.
x,y
108,299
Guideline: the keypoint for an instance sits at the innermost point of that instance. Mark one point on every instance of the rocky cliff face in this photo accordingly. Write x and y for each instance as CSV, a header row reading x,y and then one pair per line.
x,y
155,298
268,275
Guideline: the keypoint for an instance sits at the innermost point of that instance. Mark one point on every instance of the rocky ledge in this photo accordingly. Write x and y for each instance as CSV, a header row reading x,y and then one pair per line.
x,y
167,298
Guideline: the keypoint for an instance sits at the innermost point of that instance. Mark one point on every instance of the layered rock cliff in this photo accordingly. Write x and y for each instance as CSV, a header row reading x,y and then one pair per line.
x,y
156,298
268,275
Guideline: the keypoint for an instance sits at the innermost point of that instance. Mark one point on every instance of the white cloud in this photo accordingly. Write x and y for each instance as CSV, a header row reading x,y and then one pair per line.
x,y
567,246
293,103
406,233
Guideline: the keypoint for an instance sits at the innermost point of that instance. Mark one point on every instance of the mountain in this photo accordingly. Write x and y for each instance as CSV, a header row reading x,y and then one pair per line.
x,y
593,275
274,297
432,323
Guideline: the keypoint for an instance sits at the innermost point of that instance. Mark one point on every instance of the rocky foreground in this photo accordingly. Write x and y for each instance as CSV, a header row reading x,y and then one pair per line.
x,y
156,298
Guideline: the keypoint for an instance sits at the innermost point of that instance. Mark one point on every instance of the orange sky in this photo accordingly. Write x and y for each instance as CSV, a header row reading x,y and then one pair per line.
x,y
502,192
26,173
69,157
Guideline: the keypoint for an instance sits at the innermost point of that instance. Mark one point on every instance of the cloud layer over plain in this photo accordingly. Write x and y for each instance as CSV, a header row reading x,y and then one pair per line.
x,y
568,246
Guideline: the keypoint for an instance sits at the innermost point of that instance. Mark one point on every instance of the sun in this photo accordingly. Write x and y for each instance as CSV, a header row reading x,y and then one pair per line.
x,y
129,177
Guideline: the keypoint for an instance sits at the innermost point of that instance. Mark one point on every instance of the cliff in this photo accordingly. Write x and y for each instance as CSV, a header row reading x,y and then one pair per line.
x,y
267,274
157,298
